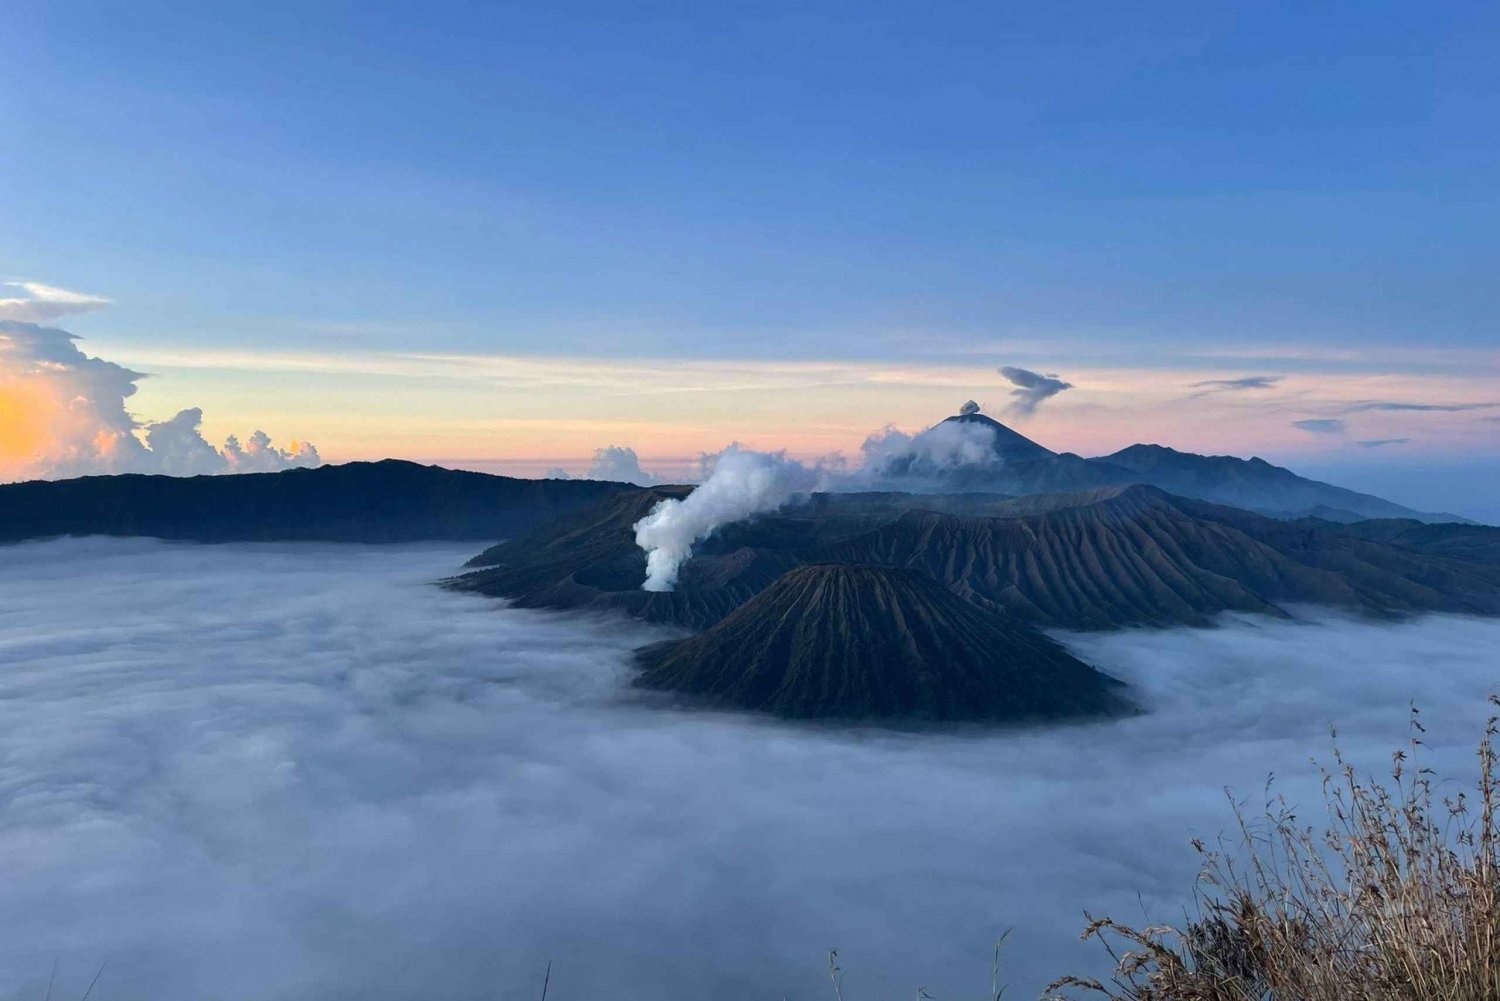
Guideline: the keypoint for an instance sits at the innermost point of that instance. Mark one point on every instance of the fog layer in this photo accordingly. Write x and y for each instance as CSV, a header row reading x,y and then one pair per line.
x,y
301,771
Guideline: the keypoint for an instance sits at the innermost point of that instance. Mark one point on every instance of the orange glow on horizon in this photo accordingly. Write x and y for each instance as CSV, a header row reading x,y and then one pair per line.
x,y
27,414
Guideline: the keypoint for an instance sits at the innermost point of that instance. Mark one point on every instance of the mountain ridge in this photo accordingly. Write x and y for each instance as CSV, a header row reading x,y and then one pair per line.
x,y
391,500
1024,466
1116,556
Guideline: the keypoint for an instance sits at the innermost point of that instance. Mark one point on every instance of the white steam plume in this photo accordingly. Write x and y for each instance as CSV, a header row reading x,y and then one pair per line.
x,y
738,483
743,483
63,414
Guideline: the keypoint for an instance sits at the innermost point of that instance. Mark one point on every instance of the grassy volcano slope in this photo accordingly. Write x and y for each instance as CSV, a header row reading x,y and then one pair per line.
x,y
1094,560
389,501
1135,555
856,642
1468,542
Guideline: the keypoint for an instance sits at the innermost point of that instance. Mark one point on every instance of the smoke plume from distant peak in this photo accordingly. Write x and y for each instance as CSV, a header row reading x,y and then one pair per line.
x,y
1031,389
64,414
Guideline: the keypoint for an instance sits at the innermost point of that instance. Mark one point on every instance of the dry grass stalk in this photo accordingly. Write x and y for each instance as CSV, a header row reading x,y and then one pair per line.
x,y
1397,899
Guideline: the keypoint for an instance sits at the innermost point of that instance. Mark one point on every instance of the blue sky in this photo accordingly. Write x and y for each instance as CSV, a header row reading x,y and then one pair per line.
x,y
1215,189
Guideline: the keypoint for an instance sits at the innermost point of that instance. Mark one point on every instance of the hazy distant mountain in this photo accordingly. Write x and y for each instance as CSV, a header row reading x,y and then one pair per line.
x,y
1254,484
389,501
1119,556
856,641
1024,467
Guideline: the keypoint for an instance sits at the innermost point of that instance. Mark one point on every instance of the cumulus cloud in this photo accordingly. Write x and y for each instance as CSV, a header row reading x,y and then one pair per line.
x,y
33,302
1237,385
742,483
179,449
259,455
1320,425
65,414
1031,389
322,777
621,465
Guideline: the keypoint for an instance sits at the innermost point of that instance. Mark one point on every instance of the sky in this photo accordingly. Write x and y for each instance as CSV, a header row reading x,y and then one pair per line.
x,y
503,236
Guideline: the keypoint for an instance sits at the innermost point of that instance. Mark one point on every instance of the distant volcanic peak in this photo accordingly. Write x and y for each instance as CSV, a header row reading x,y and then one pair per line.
x,y
862,641
1142,449
1009,444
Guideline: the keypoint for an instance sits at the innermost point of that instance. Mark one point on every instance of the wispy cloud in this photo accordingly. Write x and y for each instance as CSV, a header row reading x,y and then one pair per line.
x,y
38,303
1396,406
555,411
1236,385
1320,425
1031,388
1382,442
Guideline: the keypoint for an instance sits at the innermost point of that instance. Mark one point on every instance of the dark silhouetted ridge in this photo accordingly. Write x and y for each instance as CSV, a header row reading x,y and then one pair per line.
x,y
873,642
388,501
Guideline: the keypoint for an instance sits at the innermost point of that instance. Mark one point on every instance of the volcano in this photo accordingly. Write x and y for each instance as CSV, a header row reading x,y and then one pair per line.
x,y
877,642
1010,445
1008,462
1103,559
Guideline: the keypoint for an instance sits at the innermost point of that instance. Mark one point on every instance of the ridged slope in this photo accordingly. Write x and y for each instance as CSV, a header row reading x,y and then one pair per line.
x,y
1135,555
858,642
1093,560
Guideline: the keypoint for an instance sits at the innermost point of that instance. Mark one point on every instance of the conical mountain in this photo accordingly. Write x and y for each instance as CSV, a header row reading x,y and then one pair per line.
x,y
876,642
1010,445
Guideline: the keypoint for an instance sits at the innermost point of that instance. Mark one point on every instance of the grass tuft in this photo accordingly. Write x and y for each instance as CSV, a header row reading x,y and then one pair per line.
x,y
1395,898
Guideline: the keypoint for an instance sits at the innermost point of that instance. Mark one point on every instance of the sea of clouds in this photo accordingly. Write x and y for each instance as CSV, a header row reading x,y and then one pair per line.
x,y
293,771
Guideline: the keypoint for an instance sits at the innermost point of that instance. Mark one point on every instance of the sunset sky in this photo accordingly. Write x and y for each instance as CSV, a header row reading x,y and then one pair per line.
x,y
1255,228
